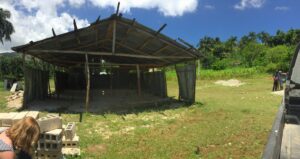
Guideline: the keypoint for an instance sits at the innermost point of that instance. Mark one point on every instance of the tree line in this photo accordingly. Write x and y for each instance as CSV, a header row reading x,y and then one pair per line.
x,y
272,52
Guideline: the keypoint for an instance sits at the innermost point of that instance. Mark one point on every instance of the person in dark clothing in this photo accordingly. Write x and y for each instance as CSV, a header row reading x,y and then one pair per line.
x,y
275,81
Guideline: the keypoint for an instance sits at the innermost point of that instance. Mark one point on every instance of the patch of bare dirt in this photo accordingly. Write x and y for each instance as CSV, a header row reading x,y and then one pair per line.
x,y
279,93
230,83
15,100
95,149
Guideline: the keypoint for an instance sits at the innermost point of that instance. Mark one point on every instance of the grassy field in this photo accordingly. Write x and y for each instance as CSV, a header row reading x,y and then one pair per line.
x,y
226,122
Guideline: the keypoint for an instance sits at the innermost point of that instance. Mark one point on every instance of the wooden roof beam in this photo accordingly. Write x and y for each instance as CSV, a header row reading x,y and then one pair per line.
x,y
151,38
75,25
163,40
106,54
160,50
191,46
53,32
139,52
127,31
118,7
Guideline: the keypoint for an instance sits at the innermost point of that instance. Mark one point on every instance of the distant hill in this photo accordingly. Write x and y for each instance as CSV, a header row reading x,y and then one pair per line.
x,y
9,54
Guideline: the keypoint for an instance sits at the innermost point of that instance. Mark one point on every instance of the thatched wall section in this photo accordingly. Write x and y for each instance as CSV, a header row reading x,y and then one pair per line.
x,y
36,84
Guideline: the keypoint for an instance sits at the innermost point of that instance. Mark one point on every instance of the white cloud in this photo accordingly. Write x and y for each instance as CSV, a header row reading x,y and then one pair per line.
x,y
33,20
166,7
76,3
243,4
210,7
282,8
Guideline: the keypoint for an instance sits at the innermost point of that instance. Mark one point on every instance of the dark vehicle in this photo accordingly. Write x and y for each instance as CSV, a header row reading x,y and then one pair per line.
x,y
284,139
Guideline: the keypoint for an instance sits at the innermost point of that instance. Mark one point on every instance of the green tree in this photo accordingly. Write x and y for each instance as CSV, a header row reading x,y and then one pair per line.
x,y
253,54
246,39
264,38
278,57
6,28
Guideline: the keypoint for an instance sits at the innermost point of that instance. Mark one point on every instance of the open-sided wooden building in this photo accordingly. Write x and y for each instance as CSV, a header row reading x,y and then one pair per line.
x,y
106,58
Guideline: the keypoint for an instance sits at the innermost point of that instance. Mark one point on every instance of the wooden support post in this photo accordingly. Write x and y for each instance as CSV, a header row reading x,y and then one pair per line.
x,y
87,99
114,37
198,70
111,79
138,79
24,65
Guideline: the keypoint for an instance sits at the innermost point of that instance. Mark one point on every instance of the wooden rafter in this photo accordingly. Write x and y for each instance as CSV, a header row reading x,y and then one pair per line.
x,y
107,54
163,40
160,50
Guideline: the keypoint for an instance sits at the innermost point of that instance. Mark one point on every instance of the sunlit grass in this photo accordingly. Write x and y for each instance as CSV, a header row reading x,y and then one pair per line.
x,y
225,122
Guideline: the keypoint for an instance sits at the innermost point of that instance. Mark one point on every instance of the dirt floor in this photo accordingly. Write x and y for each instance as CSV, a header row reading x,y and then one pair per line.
x,y
100,101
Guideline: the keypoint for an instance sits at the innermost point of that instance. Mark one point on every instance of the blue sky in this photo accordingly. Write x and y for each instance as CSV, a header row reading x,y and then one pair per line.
x,y
221,21
187,19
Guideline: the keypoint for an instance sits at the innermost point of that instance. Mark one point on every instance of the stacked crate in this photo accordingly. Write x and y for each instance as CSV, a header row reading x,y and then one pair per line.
x,y
50,142
70,141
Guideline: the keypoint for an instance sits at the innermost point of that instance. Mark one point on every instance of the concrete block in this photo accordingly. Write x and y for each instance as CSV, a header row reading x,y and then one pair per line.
x,y
3,129
54,136
49,155
49,123
2,115
70,130
14,87
72,152
5,84
7,119
74,143
34,114
52,115
49,146
19,116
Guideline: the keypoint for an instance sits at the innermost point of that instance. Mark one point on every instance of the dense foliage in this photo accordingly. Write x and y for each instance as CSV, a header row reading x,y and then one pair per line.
x,y
11,66
6,28
270,52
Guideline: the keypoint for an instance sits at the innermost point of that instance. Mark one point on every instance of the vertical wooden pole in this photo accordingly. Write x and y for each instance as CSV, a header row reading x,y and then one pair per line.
x,y
198,70
111,79
87,99
24,65
114,37
138,79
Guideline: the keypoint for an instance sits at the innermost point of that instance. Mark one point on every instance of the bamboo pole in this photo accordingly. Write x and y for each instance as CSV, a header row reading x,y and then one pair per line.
x,y
87,99
138,79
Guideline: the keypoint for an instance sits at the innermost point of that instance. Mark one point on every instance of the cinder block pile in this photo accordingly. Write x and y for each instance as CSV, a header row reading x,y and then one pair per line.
x,y
70,141
55,140
50,142
15,95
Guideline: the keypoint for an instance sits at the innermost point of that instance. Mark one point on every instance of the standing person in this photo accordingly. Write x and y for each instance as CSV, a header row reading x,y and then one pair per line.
x,y
275,81
19,138
280,80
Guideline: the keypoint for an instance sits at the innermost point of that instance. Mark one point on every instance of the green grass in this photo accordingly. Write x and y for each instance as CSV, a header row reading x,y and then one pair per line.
x,y
224,74
226,122
3,101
